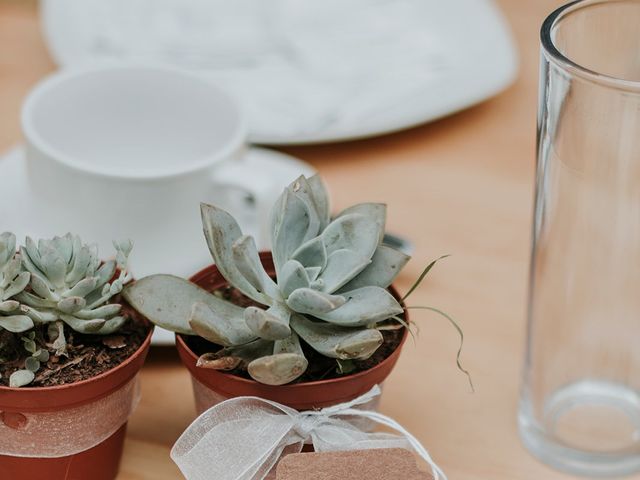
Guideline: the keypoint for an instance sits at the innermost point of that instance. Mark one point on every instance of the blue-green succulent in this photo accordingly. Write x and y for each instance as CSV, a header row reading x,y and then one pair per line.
x,y
330,288
56,282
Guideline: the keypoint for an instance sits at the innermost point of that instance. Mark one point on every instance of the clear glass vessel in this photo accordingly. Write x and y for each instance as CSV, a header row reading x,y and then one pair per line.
x,y
580,403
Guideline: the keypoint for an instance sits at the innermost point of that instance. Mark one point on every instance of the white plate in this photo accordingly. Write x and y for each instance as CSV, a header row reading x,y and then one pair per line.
x,y
306,72
22,214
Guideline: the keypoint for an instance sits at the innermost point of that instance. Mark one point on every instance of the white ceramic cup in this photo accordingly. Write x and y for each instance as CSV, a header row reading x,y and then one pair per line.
x,y
130,152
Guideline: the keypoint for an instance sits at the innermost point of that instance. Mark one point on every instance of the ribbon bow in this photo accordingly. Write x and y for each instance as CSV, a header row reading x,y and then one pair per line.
x,y
243,438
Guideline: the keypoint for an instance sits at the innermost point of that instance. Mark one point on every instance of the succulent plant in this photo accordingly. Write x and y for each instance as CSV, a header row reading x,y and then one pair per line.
x,y
330,289
69,283
13,280
52,283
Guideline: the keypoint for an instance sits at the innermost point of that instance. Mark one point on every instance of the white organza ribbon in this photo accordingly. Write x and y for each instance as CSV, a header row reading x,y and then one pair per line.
x,y
69,431
243,438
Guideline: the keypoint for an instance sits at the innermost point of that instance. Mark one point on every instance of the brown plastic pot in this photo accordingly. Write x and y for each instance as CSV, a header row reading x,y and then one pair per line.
x,y
301,396
101,462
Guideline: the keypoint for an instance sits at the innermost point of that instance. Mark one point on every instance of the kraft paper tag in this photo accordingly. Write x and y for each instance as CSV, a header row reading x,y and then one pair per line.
x,y
378,464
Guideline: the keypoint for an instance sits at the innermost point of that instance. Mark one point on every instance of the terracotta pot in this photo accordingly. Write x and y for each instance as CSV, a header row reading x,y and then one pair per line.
x,y
301,396
98,463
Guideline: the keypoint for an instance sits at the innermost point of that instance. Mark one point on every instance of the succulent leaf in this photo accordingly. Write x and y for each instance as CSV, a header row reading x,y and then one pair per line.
x,y
221,231
338,342
32,363
277,369
313,273
20,378
271,324
71,305
106,311
321,198
112,325
83,288
7,247
291,344
245,353
295,220
83,326
16,323
313,302
247,260
364,306
18,284
375,211
212,361
167,301
285,364
355,232
105,273
31,254
312,253
40,316
225,330
292,277
342,266
9,306
385,266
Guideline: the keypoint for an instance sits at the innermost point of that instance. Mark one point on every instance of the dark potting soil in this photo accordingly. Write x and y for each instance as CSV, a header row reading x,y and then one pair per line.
x,y
87,355
320,367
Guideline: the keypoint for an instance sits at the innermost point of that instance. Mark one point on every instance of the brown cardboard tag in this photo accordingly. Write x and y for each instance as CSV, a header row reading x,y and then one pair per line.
x,y
378,464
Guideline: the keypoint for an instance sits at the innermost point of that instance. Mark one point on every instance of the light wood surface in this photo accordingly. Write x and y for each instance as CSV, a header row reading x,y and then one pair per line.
x,y
462,186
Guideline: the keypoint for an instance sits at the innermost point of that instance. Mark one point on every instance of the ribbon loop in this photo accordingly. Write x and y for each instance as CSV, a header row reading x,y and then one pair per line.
x,y
243,438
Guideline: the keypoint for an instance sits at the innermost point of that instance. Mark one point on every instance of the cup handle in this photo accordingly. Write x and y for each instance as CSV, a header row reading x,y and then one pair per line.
x,y
250,193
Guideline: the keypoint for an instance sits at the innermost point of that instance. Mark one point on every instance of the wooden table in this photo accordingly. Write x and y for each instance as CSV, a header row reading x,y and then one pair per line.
x,y
463,186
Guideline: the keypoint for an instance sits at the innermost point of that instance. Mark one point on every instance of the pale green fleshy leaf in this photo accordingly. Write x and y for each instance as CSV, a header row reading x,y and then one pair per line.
x,y
83,326
20,378
377,212
355,232
16,323
337,342
313,302
292,276
222,329
272,324
277,369
321,198
293,229
106,311
247,260
363,306
385,266
221,231
342,266
312,253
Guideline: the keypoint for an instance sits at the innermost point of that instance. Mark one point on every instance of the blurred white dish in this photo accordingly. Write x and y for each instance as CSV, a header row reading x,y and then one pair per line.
x,y
21,212
313,71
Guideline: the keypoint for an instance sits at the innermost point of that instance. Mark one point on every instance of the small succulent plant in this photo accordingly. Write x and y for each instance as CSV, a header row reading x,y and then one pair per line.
x,y
330,289
69,283
56,282
13,280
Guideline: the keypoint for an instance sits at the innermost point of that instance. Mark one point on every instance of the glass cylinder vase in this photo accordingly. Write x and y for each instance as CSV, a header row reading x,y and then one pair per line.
x,y
580,402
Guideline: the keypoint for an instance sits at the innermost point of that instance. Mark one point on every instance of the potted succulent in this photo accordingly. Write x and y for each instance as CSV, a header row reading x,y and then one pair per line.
x,y
313,323
69,354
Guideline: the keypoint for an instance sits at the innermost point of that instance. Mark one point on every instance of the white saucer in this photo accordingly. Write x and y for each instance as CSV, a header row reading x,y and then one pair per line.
x,y
21,214
307,72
